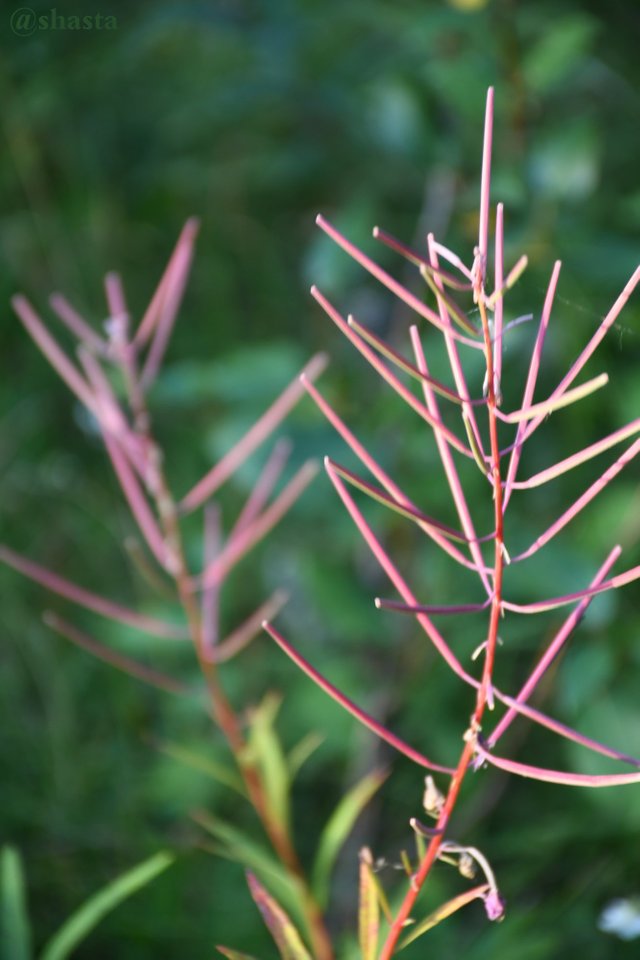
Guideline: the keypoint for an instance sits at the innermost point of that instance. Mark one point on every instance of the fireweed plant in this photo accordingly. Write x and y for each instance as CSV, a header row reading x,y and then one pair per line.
x,y
497,451
111,377
135,356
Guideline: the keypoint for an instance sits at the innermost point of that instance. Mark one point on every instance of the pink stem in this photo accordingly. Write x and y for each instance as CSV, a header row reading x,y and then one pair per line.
x,y
56,357
247,631
350,706
209,601
258,433
452,351
125,664
552,650
435,424
576,459
451,472
485,186
621,580
498,314
91,601
556,776
383,478
261,492
77,324
591,347
151,316
255,532
401,292
532,377
582,501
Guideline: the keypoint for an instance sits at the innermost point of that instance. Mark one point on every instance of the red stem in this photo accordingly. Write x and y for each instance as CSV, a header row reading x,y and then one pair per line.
x,y
484,695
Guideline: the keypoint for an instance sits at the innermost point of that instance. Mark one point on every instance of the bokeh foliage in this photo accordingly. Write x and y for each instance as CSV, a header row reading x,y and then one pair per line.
x,y
254,116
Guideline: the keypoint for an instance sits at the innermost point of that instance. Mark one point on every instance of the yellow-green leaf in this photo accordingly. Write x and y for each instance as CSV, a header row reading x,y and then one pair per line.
x,y
287,938
368,910
442,912
338,828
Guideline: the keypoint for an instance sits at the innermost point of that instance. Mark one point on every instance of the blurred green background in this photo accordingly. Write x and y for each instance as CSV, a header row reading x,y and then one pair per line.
x,y
254,116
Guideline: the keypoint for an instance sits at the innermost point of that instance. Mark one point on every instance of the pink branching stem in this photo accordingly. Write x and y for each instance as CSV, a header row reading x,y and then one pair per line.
x,y
498,314
242,636
448,279
150,319
621,580
263,488
401,292
91,601
115,295
452,352
209,601
110,416
139,506
54,354
582,501
454,260
532,377
450,470
576,459
258,433
118,660
388,351
77,324
383,478
591,347
410,512
567,778
252,534
349,705
394,575
399,607
386,374
385,562
552,650
172,293
485,188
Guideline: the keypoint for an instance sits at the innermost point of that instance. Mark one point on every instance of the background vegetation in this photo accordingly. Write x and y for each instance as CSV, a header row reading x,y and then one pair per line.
x,y
255,116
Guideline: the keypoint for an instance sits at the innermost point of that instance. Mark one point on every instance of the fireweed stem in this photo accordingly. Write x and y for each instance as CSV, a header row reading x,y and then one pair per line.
x,y
484,696
221,709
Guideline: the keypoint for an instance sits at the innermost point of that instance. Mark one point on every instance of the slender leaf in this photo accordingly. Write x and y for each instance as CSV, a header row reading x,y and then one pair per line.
x,y
237,846
207,765
282,930
338,828
299,754
267,752
82,922
16,932
233,954
442,912
368,909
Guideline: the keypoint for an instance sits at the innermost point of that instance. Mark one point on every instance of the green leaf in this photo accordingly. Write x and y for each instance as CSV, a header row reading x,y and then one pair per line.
x,y
217,771
302,751
80,923
233,954
236,846
16,934
338,828
266,750
287,938
368,908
